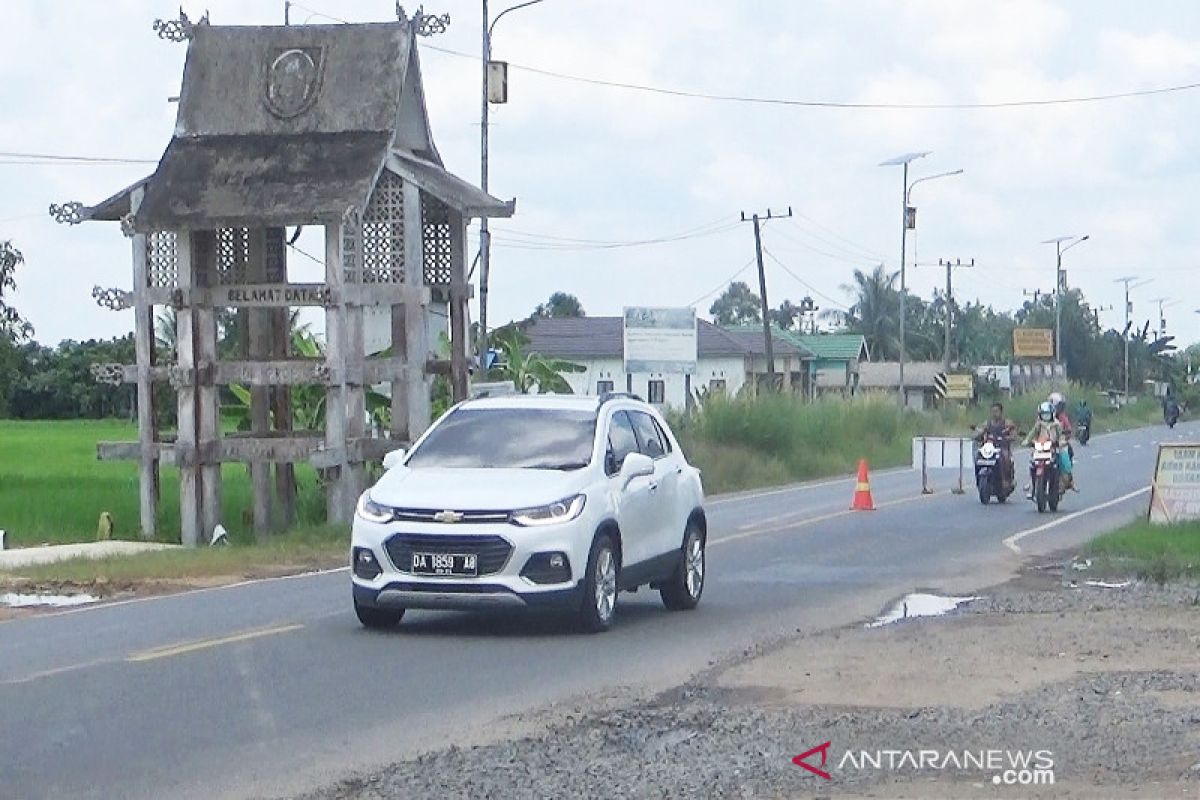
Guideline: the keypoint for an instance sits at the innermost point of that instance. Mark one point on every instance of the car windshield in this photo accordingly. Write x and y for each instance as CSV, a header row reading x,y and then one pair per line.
x,y
509,438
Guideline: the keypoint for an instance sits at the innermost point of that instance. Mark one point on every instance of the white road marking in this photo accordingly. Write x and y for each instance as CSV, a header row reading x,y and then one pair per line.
x,y
1117,452
1011,541
1137,447
1097,455
800,523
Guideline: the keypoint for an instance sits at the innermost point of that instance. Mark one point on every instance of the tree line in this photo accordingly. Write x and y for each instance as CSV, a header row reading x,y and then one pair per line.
x,y
979,334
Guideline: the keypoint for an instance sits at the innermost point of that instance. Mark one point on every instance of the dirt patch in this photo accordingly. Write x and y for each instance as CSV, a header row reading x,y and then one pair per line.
x,y
1105,683
968,661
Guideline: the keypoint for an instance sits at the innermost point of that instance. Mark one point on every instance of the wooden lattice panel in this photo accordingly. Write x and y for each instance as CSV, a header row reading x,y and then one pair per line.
x,y
233,253
381,243
435,232
351,247
161,261
275,255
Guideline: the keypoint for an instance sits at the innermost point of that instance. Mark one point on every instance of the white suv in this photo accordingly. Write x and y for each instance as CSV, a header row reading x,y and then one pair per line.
x,y
532,501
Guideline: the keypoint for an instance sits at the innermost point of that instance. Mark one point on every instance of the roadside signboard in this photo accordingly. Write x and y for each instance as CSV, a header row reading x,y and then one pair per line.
x,y
960,387
1175,493
1033,343
660,340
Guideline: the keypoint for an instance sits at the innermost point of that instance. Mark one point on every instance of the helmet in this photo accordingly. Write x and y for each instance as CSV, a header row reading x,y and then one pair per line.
x,y
1056,399
1046,411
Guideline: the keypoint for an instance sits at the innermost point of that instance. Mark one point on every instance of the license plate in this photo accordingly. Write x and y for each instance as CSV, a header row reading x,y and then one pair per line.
x,y
466,564
986,462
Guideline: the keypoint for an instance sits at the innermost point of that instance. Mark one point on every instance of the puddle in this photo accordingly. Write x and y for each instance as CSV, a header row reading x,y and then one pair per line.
x,y
12,600
919,605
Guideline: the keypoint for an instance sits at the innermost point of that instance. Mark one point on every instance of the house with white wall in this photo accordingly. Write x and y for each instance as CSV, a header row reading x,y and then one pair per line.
x,y
727,361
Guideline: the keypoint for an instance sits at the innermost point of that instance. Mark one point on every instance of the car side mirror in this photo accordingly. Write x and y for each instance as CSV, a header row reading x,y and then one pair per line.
x,y
394,458
636,466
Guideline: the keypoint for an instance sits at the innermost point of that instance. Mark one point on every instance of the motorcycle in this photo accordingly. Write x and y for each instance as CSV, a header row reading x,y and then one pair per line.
x,y
990,477
1172,416
1045,476
1083,432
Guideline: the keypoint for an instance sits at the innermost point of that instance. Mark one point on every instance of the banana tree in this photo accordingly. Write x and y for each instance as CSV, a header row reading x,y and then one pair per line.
x,y
531,372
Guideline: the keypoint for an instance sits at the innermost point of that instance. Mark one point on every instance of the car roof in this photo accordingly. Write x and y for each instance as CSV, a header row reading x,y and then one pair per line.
x,y
547,401
570,402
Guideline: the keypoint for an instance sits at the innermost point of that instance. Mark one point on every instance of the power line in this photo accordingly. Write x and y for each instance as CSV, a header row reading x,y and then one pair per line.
x,y
871,253
723,283
831,104
849,259
805,283
55,158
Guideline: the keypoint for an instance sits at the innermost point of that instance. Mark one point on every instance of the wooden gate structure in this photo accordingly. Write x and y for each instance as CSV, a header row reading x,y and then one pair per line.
x,y
298,126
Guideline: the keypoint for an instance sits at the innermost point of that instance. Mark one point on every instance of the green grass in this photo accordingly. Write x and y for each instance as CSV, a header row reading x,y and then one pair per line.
x,y
746,442
1160,553
53,489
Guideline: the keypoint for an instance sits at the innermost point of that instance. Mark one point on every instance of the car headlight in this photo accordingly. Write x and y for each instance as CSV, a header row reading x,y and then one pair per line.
x,y
371,511
564,510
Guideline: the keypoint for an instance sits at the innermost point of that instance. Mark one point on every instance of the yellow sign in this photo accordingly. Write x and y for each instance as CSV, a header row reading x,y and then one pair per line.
x,y
1033,343
960,387
1175,493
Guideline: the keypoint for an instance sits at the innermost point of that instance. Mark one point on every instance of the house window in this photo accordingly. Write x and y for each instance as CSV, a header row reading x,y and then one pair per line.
x,y
717,386
656,392
604,387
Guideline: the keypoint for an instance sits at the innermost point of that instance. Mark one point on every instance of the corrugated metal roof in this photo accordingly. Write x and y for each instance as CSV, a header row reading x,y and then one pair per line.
x,y
603,337
834,346
886,374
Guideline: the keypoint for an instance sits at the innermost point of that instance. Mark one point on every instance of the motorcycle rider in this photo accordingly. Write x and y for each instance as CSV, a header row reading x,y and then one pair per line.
x,y
1170,408
1000,429
1066,454
1083,414
1047,426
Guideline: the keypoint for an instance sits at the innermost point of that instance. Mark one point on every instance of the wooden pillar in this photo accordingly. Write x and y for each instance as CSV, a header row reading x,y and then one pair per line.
x,y
186,441
335,398
417,349
354,479
143,343
258,334
208,404
460,339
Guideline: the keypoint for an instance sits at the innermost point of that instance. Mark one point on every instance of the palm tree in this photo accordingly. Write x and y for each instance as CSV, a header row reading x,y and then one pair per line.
x,y
875,312
530,371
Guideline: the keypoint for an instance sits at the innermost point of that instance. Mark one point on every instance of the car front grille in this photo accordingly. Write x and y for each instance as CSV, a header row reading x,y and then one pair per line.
x,y
492,551
466,518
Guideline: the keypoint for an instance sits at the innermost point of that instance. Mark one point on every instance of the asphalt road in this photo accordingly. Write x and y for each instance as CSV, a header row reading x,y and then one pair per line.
x,y
271,688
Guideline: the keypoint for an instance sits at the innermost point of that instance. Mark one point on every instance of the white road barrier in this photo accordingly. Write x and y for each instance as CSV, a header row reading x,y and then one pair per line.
x,y
943,452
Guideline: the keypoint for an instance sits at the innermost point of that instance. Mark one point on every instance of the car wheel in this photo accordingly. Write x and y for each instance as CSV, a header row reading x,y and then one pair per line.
x,y
599,604
372,617
682,591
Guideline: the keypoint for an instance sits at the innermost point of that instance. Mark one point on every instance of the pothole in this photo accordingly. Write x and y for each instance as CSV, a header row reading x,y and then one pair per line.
x,y
919,604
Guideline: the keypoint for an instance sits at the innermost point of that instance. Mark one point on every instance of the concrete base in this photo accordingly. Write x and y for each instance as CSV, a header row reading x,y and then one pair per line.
x,y
51,554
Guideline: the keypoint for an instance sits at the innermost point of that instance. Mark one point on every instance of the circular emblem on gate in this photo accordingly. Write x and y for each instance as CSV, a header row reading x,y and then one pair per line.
x,y
292,82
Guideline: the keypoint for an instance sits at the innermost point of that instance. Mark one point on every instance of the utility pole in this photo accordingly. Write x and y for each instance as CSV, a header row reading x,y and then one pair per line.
x,y
287,12
762,285
485,234
950,265
1163,302
1060,285
1128,312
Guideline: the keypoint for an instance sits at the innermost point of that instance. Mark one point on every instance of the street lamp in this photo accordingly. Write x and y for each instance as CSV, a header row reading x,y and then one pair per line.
x,y
485,236
1129,284
908,220
1058,286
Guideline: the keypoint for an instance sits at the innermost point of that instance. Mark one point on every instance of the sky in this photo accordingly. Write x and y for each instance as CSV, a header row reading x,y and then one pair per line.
x,y
593,164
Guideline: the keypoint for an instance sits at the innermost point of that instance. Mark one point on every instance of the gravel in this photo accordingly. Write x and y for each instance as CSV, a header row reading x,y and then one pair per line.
x,y
1111,731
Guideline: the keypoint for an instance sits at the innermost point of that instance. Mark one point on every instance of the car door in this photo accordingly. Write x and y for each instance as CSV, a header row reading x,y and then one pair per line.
x,y
635,503
668,527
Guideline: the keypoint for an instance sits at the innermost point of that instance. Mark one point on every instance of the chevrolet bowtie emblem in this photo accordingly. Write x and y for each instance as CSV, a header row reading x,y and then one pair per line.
x,y
448,517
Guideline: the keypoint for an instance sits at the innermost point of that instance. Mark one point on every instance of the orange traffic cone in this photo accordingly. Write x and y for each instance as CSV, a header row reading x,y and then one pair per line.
x,y
862,490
